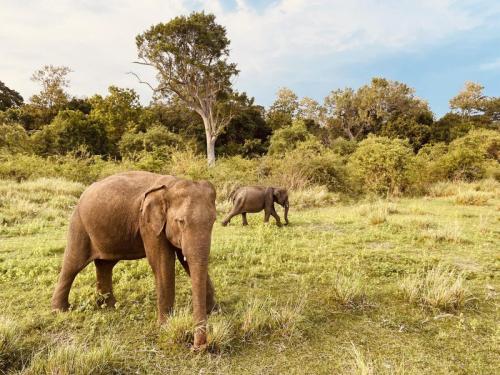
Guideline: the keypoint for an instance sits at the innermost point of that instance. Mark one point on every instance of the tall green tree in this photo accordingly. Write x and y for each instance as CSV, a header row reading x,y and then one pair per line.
x,y
117,112
190,55
9,97
383,107
283,110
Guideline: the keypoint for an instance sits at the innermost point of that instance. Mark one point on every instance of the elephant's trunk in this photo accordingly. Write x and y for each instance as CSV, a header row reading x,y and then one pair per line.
x,y
197,260
287,206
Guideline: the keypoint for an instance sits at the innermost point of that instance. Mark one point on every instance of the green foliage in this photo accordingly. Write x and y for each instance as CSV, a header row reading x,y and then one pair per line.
x,y
381,165
156,137
117,112
14,139
9,97
289,137
284,109
69,131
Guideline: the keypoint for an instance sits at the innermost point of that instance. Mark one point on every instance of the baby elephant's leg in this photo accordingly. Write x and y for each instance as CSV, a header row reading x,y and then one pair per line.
x,y
244,216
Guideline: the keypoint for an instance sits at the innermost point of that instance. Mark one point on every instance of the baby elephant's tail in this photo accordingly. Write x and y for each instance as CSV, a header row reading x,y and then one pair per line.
x,y
233,192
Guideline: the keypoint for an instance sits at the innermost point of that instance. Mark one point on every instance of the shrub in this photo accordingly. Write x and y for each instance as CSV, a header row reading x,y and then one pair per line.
x,y
14,139
156,137
288,138
381,165
69,131
439,287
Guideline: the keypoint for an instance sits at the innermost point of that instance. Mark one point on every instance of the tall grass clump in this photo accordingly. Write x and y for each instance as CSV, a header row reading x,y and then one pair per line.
x,y
360,364
221,334
348,288
72,359
450,232
440,287
10,344
472,198
179,328
262,317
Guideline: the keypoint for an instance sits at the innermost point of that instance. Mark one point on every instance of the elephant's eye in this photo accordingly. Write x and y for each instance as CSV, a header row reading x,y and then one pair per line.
x,y
181,221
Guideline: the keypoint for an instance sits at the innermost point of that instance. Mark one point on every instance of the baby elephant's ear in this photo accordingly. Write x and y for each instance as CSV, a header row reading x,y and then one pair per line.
x,y
277,193
154,209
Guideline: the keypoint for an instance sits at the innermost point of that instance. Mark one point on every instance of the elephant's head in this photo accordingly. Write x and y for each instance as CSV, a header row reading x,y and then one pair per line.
x,y
184,212
280,196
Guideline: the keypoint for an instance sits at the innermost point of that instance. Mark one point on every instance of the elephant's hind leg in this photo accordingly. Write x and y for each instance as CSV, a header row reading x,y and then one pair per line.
x,y
244,217
104,274
234,211
76,257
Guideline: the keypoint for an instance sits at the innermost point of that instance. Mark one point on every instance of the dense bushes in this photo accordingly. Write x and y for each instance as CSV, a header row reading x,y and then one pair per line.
x,y
376,165
381,165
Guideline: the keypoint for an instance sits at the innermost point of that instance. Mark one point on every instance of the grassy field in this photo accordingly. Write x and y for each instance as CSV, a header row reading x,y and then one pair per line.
x,y
406,286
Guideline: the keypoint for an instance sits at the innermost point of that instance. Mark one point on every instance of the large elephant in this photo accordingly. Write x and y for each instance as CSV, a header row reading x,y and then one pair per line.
x,y
249,199
140,214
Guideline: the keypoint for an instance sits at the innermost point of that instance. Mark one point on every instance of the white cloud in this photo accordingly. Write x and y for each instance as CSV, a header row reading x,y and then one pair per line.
x,y
282,43
492,65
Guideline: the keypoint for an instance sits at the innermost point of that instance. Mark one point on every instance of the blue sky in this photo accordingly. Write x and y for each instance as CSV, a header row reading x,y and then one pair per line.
x,y
310,46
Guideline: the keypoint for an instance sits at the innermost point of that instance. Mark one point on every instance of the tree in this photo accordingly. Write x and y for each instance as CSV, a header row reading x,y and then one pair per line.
x,y
69,131
118,111
191,55
380,107
470,100
284,109
9,97
53,80
248,132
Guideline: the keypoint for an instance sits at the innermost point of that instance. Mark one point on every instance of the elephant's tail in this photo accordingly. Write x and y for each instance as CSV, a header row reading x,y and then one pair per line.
x,y
233,192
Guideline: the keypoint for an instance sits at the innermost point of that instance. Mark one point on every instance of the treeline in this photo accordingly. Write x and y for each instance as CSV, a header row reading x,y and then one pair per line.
x,y
378,139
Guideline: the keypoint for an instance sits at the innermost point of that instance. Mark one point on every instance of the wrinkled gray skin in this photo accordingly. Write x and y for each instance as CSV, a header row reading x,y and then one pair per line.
x,y
140,214
250,199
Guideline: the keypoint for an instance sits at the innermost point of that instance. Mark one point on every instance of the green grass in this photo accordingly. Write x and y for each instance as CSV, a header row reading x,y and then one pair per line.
x,y
339,290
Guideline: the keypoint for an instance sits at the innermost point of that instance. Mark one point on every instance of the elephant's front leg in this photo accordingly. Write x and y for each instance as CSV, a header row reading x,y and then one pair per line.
x,y
276,216
163,264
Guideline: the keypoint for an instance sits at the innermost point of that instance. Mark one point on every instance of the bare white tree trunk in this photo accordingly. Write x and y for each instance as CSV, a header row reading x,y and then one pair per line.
x,y
211,151
210,138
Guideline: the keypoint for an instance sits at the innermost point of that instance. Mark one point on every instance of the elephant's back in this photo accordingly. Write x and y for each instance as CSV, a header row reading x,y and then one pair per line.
x,y
109,209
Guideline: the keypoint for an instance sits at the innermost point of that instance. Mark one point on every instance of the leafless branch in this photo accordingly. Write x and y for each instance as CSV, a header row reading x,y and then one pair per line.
x,y
143,82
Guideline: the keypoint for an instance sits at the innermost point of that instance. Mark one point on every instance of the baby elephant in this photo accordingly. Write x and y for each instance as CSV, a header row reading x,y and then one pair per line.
x,y
257,198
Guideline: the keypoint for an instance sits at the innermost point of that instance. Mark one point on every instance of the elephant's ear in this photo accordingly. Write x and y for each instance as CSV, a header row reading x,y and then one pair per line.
x,y
154,209
277,194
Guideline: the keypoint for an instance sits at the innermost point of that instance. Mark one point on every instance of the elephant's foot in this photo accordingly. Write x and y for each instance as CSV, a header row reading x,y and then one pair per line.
x,y
279,224
245,224
224,223
60,306
106,300
200,341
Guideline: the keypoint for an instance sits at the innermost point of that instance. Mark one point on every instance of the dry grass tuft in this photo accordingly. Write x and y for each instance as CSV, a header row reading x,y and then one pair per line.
x,y
72,359
313,196
472,198
221,334
451,232
266,317
439,287
360,364
348,289
179,328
